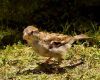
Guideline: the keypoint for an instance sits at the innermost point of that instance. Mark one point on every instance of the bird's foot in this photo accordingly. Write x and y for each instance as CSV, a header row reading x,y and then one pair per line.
x,y
76,63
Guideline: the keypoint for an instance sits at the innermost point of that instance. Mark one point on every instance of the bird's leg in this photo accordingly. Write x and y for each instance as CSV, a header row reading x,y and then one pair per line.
x,y
47,61
59,60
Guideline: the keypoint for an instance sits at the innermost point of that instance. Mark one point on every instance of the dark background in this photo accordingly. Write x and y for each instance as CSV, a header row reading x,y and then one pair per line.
x,y
65,16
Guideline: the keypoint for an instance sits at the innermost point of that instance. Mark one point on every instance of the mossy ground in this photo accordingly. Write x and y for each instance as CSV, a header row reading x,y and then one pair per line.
x,y
19,62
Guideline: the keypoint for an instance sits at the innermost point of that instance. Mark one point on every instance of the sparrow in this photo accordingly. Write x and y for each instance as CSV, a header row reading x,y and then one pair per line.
x,y
51,45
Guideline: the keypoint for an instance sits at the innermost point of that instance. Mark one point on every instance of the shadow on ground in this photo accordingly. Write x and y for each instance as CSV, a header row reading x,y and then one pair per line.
x,y
49,69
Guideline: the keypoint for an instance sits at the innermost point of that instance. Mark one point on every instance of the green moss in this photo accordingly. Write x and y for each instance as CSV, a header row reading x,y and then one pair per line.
x,y
18,62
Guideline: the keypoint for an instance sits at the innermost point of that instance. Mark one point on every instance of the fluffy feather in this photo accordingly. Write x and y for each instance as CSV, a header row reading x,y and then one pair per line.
x,y
52,45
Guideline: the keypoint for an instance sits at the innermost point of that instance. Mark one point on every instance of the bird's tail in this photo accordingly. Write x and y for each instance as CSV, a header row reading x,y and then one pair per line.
x,y
78,37
81,36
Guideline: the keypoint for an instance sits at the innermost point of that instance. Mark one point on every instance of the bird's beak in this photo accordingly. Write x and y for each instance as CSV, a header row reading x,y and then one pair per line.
x,y
24,36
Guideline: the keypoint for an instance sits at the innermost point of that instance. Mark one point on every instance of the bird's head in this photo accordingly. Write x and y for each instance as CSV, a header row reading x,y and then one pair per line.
x,y
30,33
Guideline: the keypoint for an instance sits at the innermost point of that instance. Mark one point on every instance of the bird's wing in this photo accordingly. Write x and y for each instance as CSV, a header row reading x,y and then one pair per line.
x,y
56,40
49,37
53,40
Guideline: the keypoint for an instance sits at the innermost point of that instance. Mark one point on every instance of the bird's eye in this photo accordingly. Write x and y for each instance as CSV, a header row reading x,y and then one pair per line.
x,y
33,32
30,33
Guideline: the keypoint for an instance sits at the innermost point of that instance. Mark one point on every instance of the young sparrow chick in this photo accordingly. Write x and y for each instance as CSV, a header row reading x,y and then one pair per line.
x,y
52,45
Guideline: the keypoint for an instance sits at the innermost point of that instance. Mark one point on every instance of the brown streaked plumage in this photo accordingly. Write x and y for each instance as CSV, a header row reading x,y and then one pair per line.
x,y
52,45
